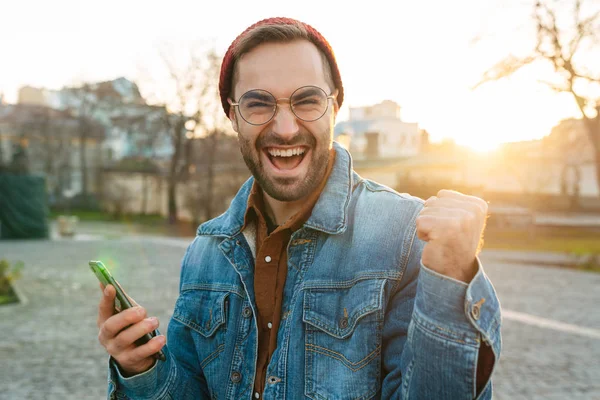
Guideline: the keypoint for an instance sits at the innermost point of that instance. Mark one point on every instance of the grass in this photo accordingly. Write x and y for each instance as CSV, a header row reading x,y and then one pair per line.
x,y
560,240
141,224
8,299
104,217
575,241
8,274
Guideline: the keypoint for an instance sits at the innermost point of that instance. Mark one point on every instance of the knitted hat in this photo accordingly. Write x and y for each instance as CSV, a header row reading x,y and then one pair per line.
x,y
228,65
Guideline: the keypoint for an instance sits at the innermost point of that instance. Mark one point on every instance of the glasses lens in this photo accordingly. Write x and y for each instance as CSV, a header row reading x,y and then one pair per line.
x,y
309,103
257,106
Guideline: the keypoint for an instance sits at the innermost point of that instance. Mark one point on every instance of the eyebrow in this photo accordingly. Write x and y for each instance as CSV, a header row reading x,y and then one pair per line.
x,y
306,93
252,95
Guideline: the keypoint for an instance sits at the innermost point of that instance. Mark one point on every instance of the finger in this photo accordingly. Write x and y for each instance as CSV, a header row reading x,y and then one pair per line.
x,y
430,227
446,193
128,336
120,321
147,350
430,201
438,211
425,224
454,203
106,308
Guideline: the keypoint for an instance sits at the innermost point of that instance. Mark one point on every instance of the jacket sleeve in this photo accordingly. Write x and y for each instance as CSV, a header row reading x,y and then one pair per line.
x,y
436,330
179,377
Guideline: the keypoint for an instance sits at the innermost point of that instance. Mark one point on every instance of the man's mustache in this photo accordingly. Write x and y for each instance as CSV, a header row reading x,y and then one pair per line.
x,y
272,139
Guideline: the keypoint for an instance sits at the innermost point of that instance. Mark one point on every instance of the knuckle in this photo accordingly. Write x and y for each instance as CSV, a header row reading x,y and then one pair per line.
x,y
111,349
103,332
149,325
133,315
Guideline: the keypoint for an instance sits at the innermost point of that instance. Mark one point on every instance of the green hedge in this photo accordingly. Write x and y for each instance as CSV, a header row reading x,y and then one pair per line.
x,y
23,207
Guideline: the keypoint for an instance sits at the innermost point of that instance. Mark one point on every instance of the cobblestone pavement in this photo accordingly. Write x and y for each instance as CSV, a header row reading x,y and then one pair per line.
x,y
49,347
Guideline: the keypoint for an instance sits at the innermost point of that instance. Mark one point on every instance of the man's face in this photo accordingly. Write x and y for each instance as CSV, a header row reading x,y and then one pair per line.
x,y
281,68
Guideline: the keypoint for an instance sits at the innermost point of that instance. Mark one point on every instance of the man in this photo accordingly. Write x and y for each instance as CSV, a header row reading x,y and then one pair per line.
x,y
315,282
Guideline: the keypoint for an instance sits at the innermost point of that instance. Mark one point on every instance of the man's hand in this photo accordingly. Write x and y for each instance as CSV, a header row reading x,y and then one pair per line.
x,y
452,225
118,332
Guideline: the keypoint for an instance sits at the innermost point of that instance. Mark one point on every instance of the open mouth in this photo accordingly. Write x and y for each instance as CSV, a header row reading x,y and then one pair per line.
x,y
286,159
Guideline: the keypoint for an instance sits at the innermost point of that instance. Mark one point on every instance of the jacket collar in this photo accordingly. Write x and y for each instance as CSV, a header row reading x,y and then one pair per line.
x,y
329,214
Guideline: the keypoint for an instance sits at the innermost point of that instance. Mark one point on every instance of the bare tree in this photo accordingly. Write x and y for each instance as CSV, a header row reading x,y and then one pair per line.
x,y
561,48
146,129
214,126
192,79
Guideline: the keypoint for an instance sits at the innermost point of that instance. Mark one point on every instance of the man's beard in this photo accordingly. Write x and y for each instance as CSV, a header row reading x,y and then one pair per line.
x,y
286,189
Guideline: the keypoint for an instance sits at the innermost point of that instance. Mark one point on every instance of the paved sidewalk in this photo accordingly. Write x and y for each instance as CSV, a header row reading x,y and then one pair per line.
x,y
51,341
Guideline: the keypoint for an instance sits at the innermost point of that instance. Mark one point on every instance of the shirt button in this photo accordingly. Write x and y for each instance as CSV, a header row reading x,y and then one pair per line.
x,y
236,377
270,325
268,259
247,312
256,395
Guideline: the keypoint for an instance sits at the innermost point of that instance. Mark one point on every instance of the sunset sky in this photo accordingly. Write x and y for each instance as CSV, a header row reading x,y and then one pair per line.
x,y
424,55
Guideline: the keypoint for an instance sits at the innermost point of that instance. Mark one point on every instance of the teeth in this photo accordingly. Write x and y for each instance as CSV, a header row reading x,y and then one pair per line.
x,y
286,153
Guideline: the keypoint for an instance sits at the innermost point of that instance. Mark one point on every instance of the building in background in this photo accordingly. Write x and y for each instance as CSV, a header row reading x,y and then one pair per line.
x,y
50,140
378,132
133,127
83,128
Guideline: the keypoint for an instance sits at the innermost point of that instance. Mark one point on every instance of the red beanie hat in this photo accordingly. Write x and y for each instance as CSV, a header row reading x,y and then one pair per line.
x,y
228,64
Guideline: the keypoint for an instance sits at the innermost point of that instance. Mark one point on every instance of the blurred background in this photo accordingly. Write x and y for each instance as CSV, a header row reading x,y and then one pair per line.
x,y
114,146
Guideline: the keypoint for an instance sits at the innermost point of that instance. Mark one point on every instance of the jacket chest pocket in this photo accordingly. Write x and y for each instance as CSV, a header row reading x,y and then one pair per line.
x,y
204,313
343,340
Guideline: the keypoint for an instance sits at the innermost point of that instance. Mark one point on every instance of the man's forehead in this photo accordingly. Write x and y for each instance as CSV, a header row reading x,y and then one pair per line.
x,y
280,68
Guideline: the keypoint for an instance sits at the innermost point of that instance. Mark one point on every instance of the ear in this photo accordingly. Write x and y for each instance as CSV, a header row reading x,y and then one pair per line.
x,y
233,119
336,106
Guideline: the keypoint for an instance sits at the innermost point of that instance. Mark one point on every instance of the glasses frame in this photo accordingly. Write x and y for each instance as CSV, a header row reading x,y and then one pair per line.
x,y
332,96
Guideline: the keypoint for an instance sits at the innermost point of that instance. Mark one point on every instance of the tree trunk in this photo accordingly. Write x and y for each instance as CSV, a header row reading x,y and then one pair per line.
x,y
593,130
597,163
83,160
173,176
144,209
210,175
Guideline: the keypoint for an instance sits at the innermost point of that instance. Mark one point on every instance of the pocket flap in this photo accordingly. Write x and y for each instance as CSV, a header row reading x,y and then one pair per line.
x,y
337,310
201,310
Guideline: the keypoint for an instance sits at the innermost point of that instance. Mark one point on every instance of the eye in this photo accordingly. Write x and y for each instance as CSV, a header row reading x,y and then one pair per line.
x,y
308,101
258,104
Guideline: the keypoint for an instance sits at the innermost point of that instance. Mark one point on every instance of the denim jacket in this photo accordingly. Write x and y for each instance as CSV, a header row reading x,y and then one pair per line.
x,y
362,317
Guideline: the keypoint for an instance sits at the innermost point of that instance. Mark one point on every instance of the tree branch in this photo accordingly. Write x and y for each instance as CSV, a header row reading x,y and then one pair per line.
x,y
505,68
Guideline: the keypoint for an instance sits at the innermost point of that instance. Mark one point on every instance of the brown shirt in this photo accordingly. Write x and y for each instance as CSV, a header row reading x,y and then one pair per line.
x,y
270,269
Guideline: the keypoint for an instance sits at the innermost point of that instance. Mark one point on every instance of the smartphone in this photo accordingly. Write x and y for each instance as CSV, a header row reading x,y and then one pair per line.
x,y
106,278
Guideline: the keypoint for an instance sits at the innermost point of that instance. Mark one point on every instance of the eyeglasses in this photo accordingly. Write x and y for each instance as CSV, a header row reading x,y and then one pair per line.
x,y
308,103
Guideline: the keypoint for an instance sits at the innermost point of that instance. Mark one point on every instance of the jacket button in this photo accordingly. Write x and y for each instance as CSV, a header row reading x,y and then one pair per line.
x,y
344,323
236,377
247,312
476,309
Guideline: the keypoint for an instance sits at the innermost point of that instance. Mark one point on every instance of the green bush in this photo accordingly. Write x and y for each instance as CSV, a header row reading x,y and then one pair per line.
x,y
9,274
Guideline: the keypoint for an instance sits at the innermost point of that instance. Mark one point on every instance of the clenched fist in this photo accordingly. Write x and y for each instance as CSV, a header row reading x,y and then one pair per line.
x,y
452,224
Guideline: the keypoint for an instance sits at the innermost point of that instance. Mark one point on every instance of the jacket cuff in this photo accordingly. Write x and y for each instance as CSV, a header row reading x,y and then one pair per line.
x,y
150,384
457,309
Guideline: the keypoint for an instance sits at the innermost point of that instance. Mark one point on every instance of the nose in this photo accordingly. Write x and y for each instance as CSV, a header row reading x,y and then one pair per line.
x,y
285,123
